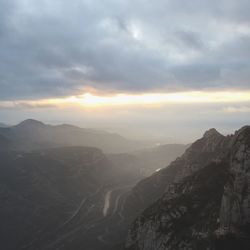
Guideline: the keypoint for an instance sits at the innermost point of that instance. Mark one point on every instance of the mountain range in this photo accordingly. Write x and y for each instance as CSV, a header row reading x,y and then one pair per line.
x,y
77,197
32,134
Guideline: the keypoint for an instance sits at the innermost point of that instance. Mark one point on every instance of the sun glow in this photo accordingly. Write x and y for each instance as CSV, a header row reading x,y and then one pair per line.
x,y
90,100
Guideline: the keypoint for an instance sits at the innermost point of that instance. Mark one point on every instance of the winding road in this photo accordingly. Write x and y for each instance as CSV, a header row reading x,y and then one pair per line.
x,y
114,205
93,219
107,202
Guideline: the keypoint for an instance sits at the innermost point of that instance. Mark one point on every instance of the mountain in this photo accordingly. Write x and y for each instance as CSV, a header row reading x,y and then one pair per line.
x,y
62,198
198,155
201,200
43,191
31,134
78,198
3,125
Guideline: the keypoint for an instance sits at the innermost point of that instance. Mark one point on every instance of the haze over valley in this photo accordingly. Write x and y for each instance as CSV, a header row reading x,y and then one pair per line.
x,y
124,125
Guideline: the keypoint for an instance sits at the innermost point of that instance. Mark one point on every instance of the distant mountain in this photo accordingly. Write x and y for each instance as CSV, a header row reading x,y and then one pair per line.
x,y
142,163
31,134
201,201
3,125
153,159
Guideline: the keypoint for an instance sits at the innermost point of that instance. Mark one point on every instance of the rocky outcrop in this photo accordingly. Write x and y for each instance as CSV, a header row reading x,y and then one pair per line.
x,y
206,206
235,206
211,147
184,220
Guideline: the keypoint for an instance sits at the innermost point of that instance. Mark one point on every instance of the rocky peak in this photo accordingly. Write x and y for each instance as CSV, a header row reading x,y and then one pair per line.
x,y
212,132
210,148
212,142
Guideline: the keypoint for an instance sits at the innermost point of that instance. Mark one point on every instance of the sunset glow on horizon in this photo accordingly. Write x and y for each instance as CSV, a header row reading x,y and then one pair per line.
x,y
90,100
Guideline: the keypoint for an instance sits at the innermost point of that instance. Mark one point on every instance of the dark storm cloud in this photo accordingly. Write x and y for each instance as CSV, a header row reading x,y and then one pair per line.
x,y
56,48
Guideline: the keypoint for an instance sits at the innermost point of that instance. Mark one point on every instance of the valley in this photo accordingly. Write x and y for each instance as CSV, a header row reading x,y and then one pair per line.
x,y
79,197
124,125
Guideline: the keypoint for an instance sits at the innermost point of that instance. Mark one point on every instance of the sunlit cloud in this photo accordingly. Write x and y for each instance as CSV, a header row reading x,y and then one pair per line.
x,y
90,100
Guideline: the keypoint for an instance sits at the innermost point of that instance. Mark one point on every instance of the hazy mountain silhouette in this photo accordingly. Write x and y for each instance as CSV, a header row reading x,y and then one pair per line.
x,y
3,125
31,134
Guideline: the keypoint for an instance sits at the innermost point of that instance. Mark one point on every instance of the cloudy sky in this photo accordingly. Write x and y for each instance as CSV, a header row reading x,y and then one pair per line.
x,y
163,68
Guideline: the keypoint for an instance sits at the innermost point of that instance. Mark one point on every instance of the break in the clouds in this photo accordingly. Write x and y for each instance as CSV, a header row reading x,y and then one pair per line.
x,y
59,48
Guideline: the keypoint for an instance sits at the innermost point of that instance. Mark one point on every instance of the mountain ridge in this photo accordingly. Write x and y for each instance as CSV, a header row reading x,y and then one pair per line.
x,y
32,134
200,153
182,218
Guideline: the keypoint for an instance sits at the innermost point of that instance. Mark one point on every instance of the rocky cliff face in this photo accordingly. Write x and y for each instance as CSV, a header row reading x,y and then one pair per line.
x,y
211,147
235,204
206,206
186,218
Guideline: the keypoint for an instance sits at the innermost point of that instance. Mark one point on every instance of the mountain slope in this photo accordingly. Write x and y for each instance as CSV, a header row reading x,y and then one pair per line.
x,y
207,204
197,156
40,191
180,220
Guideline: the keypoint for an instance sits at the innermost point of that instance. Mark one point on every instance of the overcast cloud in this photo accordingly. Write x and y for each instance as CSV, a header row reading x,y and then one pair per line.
x,y
57,48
